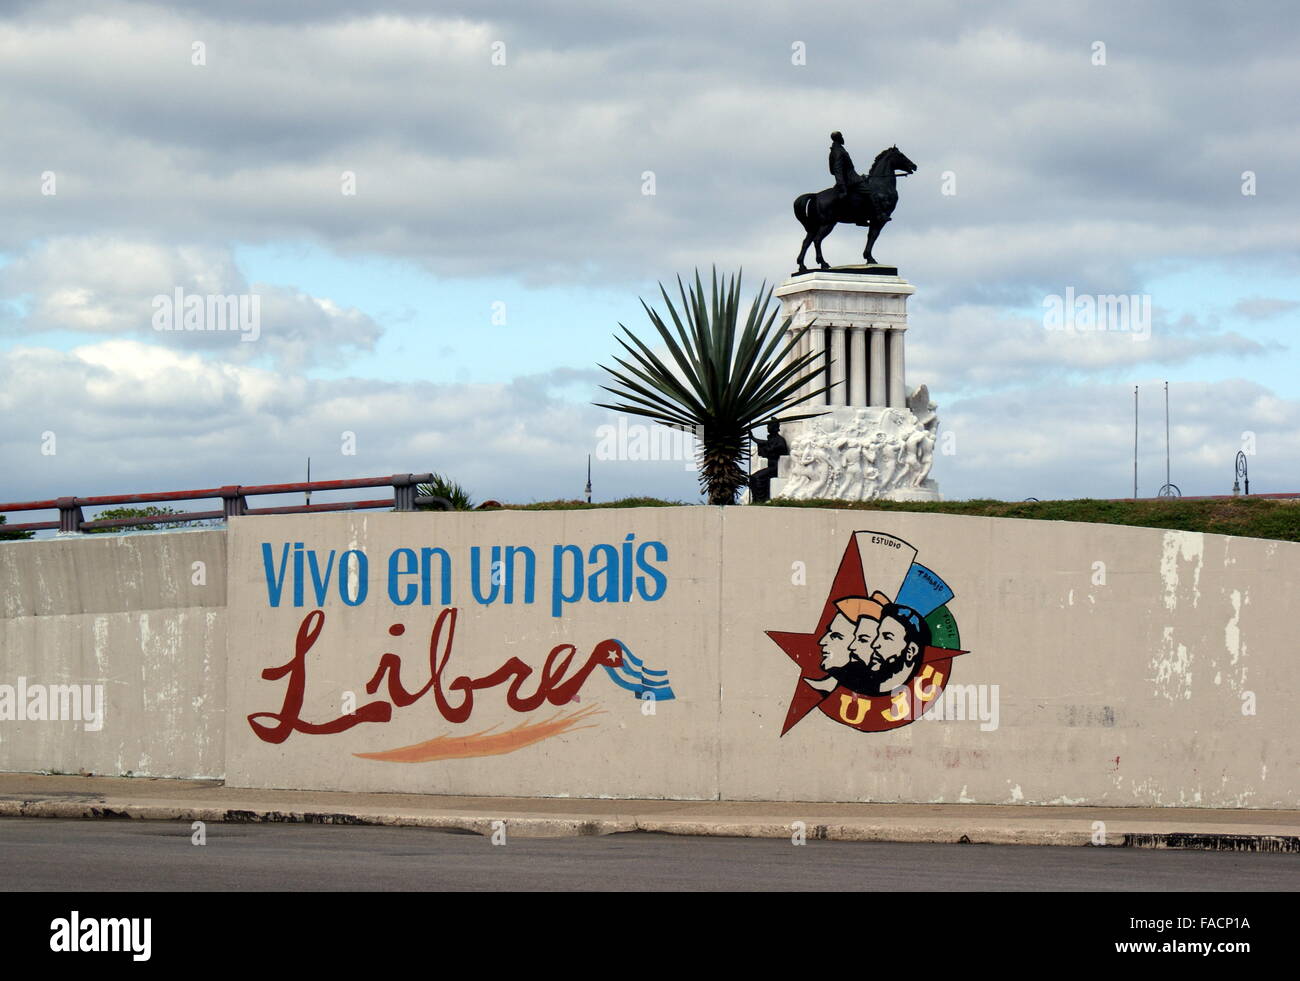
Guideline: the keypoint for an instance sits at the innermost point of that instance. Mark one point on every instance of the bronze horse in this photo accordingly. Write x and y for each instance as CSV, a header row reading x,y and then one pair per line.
x,y
870,203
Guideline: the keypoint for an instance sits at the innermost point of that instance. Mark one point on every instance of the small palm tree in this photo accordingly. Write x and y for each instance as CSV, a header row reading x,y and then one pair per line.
x,y
448,490
728,380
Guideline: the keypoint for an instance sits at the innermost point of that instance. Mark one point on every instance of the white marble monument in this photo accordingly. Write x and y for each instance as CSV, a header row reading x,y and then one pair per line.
x,y
877,438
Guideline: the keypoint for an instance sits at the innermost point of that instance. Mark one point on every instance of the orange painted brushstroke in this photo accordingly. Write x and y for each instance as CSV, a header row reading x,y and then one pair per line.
x,y
479,743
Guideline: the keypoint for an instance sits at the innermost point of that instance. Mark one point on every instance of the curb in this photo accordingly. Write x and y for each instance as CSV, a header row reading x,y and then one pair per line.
x,y
525,827
572,827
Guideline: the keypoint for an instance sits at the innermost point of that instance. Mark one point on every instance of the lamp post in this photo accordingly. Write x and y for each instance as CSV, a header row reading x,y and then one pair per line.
x,y
1241,476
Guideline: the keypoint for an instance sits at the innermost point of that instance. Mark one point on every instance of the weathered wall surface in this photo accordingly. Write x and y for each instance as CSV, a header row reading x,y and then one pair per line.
x,y
1059,662
122,618
1116,666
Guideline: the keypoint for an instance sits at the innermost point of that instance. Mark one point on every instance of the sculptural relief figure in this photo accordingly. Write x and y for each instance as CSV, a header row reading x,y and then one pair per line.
x,y
888,455
924,459
923,409
851,446
871,468
916,454
863,453
810,468
844,473
927,419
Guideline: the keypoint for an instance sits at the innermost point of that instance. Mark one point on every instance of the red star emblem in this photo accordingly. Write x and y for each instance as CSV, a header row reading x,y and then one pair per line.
x,y
804,650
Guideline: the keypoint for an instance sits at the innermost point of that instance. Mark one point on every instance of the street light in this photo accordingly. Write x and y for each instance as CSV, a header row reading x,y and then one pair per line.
x,y
1241,476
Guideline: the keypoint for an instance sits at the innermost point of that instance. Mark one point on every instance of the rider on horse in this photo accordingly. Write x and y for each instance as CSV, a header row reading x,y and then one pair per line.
x,y
847,180
865,201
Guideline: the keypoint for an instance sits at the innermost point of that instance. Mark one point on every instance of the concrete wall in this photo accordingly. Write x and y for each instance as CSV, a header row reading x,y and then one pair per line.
x,y
619,752
1093,664
122,614
1126,662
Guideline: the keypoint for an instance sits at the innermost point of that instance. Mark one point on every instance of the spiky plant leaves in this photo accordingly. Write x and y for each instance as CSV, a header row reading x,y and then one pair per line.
x,y
729,378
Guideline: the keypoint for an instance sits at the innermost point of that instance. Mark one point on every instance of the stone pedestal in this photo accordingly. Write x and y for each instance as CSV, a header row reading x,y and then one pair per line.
x,y
877,438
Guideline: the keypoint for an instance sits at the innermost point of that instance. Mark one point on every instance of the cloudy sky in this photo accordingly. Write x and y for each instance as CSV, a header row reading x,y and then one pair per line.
x,y
444,211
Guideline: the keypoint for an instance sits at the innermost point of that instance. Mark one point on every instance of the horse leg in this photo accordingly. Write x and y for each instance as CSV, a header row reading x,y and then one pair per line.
x,y
804,207
871,240
821,234
807,240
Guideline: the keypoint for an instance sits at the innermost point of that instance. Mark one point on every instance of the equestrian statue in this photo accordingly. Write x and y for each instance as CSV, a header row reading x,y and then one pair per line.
x,y
866,201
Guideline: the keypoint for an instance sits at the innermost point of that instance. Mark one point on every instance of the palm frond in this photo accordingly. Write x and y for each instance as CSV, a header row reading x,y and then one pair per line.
x,y
723,376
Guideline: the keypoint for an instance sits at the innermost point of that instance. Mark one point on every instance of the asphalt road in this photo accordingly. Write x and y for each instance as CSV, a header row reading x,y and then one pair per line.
x,y
38,854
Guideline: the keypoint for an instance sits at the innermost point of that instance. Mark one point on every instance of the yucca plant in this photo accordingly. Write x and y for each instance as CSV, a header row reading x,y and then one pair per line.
x,y
729,378
448,490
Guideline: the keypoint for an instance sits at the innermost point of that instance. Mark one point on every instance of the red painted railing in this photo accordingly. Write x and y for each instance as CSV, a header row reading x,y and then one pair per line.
x,y
234,501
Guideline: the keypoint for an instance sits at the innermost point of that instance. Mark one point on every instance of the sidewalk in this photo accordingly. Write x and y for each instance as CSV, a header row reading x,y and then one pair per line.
x,y
35,795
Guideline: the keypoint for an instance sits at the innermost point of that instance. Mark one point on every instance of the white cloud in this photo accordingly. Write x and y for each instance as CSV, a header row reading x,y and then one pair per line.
x,y
976,347
1077,441
133,417
1065,171
130,417
103,285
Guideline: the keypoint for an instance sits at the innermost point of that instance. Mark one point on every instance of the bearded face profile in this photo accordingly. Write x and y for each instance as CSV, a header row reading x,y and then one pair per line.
x,y
886,653
852,615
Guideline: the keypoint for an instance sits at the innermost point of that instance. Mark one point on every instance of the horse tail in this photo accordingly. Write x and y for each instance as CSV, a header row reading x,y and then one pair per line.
x,y
802,209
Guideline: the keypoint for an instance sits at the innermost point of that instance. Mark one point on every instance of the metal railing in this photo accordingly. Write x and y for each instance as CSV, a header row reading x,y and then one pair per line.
x,y
234,502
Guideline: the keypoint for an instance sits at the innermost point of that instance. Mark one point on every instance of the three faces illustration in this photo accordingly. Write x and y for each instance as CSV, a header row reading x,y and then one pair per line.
x,y
871,646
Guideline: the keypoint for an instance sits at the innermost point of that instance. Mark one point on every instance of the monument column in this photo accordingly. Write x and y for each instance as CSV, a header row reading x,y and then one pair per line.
x,y
858,366
806,348
877,394
897,386
796,352
819,364
838,394
857,317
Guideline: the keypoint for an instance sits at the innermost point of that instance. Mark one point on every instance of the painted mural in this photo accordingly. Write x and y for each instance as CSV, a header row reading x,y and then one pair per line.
x,y
424,678
884,645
